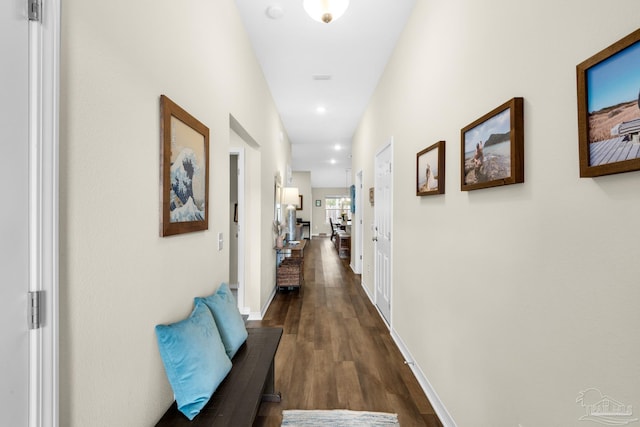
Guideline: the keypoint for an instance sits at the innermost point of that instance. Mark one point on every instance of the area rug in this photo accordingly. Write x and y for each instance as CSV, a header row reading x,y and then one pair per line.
x,y
338,418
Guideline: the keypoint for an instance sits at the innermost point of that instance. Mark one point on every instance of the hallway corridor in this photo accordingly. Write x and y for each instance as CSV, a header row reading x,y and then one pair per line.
x,y
336,352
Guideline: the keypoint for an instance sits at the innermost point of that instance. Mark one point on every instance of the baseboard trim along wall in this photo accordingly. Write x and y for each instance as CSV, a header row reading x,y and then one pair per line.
x,y
255,315
366,291
434,399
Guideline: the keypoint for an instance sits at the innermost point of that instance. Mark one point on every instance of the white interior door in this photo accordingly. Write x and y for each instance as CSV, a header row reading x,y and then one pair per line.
x,y
382,230
14,223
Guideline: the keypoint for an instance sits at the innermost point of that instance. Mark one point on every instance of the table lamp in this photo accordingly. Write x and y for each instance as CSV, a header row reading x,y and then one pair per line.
x,y
290,198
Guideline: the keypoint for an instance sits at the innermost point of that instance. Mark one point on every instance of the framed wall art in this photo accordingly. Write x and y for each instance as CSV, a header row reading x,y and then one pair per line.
x,y
184,171
609,109
492,151
299,205
318,203
430,170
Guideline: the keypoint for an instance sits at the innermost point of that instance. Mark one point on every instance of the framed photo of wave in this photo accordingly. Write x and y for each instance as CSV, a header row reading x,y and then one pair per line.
x,y
492,148
609,109
430,175
184,171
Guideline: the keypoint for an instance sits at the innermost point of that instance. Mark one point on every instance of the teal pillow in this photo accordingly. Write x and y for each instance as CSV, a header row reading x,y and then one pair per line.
x,y
194,359
228,318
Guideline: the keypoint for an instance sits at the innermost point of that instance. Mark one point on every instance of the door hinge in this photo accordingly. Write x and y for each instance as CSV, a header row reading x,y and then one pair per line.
x,y
35,7
36,298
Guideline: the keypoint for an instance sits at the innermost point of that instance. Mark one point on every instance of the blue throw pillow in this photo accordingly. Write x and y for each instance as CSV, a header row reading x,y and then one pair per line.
x,y
194,359
228,318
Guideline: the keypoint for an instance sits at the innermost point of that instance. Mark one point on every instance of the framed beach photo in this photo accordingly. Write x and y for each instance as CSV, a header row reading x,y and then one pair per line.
x,y
430,170
492,148
184,171
609,109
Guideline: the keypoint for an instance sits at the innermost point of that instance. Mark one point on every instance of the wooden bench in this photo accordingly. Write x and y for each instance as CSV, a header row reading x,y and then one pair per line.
x,y
251,381
625,128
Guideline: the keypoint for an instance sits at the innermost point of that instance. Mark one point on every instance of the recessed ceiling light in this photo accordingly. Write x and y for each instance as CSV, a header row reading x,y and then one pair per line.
x,y
321,110
333,161
275,11
337,147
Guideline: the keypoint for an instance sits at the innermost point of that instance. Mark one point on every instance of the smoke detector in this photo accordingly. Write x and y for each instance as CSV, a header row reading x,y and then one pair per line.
x,y
275,11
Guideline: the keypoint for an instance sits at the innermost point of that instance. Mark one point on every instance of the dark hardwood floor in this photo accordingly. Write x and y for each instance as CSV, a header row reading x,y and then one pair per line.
x,y
336,352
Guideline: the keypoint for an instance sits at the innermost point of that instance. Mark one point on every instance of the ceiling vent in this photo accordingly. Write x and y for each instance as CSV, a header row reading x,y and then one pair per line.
x,y
321,77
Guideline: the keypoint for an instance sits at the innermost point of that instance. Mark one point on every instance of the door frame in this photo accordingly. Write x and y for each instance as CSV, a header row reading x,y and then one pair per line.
x,y
239,152
356,261
44,110
389,145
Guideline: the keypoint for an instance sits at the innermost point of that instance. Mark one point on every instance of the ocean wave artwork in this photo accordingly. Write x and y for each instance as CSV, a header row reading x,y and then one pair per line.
x,y
185,204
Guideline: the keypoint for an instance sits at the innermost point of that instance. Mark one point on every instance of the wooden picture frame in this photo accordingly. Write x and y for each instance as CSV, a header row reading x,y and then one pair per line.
x,y
299,205
609,109
184,171
430,173
492,148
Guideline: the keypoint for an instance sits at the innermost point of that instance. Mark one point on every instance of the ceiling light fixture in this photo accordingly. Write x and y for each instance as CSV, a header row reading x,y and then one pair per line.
x,y
326,10
321,110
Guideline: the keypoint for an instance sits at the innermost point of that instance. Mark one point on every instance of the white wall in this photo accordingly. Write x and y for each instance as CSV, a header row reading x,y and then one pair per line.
x,y
118,278
512,300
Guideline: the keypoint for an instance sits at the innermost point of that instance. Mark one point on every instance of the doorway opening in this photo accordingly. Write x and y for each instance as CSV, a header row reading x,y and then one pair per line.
x,y
245,214
236,224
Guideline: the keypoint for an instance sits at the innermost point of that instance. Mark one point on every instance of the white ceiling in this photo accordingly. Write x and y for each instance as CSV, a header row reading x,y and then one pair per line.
x,y
353,50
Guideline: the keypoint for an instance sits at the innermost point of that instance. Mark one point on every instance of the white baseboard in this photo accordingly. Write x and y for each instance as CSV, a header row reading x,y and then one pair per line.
x,y
255,315
353,268
436,403
366,291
